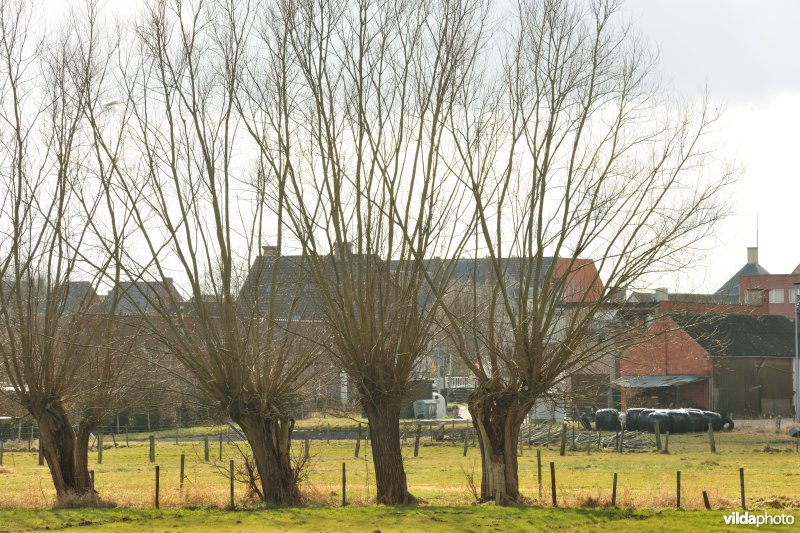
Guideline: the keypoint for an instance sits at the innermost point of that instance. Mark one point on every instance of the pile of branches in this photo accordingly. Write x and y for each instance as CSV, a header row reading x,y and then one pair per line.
x,y
544,434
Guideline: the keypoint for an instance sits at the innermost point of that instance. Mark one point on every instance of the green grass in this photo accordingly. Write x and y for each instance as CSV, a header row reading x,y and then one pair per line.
x,y
438,477
462,519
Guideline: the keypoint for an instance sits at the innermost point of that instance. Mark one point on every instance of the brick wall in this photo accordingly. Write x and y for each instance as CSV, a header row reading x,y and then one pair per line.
x,y
668,350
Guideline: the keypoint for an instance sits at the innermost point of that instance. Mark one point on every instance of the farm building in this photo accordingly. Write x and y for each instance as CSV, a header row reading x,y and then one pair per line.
x,y
738,364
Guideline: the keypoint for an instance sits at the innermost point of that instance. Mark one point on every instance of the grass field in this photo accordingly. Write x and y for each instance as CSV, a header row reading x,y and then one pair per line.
x,y
438,477
368,519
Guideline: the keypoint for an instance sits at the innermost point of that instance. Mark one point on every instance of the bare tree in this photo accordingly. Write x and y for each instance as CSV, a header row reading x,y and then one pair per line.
x,y
198,208
586,161
350,113
63,359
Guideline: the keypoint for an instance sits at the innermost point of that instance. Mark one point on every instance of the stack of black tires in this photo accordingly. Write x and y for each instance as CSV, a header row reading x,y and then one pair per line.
x,y
672,420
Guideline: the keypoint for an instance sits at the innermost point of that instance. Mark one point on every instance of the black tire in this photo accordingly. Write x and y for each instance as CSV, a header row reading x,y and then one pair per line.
x,y
727,424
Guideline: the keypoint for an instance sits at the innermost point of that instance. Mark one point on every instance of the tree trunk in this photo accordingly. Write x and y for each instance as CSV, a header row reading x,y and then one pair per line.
x,y
497,418
65,453
383,414
270,442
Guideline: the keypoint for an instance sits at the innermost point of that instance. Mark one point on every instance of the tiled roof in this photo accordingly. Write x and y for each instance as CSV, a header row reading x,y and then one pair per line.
x,y
739,335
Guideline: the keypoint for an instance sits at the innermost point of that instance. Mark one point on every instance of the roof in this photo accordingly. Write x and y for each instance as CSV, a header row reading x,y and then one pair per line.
x,y
646,382
739,335
719,299
731,286
133,297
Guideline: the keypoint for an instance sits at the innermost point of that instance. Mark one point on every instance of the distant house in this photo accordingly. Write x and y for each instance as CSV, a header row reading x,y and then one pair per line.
x,y
732,363
143,297
79,295
751,268
753,285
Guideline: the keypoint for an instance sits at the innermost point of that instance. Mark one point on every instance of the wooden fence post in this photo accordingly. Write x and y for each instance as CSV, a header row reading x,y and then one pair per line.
x,y
220,446
657,431
539,469
127,444
344,484
233,504
152,449
41,453
666,444
183,464
466,442
91,483
573,448
2,445
358,441
614,492
705,500
205,448
157,487
307,448
553,483
678,495
416,441
741,484
563,439
100,448
711,444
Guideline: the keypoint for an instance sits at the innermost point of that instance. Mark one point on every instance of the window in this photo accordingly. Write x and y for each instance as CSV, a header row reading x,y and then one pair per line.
x,y
793,295
776,296
753,297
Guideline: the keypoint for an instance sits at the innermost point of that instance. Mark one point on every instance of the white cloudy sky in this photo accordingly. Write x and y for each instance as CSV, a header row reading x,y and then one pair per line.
x,y
748,53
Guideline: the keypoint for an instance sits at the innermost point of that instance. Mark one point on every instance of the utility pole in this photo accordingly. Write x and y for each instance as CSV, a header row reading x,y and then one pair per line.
x,y
796,373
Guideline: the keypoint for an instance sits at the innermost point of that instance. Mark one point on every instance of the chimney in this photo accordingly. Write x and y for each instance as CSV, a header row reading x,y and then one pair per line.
x,y
752,255
662,294
270,251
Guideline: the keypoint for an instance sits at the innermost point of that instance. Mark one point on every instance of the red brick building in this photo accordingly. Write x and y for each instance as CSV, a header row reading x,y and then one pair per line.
x,y
753,285
732,363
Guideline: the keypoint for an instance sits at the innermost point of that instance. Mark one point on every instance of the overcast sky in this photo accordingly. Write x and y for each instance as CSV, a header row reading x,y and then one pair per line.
x,y
748,53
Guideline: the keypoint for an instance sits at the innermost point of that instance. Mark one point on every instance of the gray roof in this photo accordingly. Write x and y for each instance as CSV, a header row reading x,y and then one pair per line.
x,y
739,335
134,297
731,286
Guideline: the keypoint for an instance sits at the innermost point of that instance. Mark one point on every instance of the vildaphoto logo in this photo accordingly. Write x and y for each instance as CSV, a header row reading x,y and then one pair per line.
x,y
750,519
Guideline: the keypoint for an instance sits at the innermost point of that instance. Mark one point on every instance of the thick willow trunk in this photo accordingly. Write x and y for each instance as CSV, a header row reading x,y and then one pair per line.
x,y
65,452
497,418
270,441
383,414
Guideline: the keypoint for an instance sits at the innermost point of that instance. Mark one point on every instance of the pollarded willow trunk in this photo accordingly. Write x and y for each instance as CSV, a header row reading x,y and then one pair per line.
x,y
270,440
383,414
66,457
497,417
